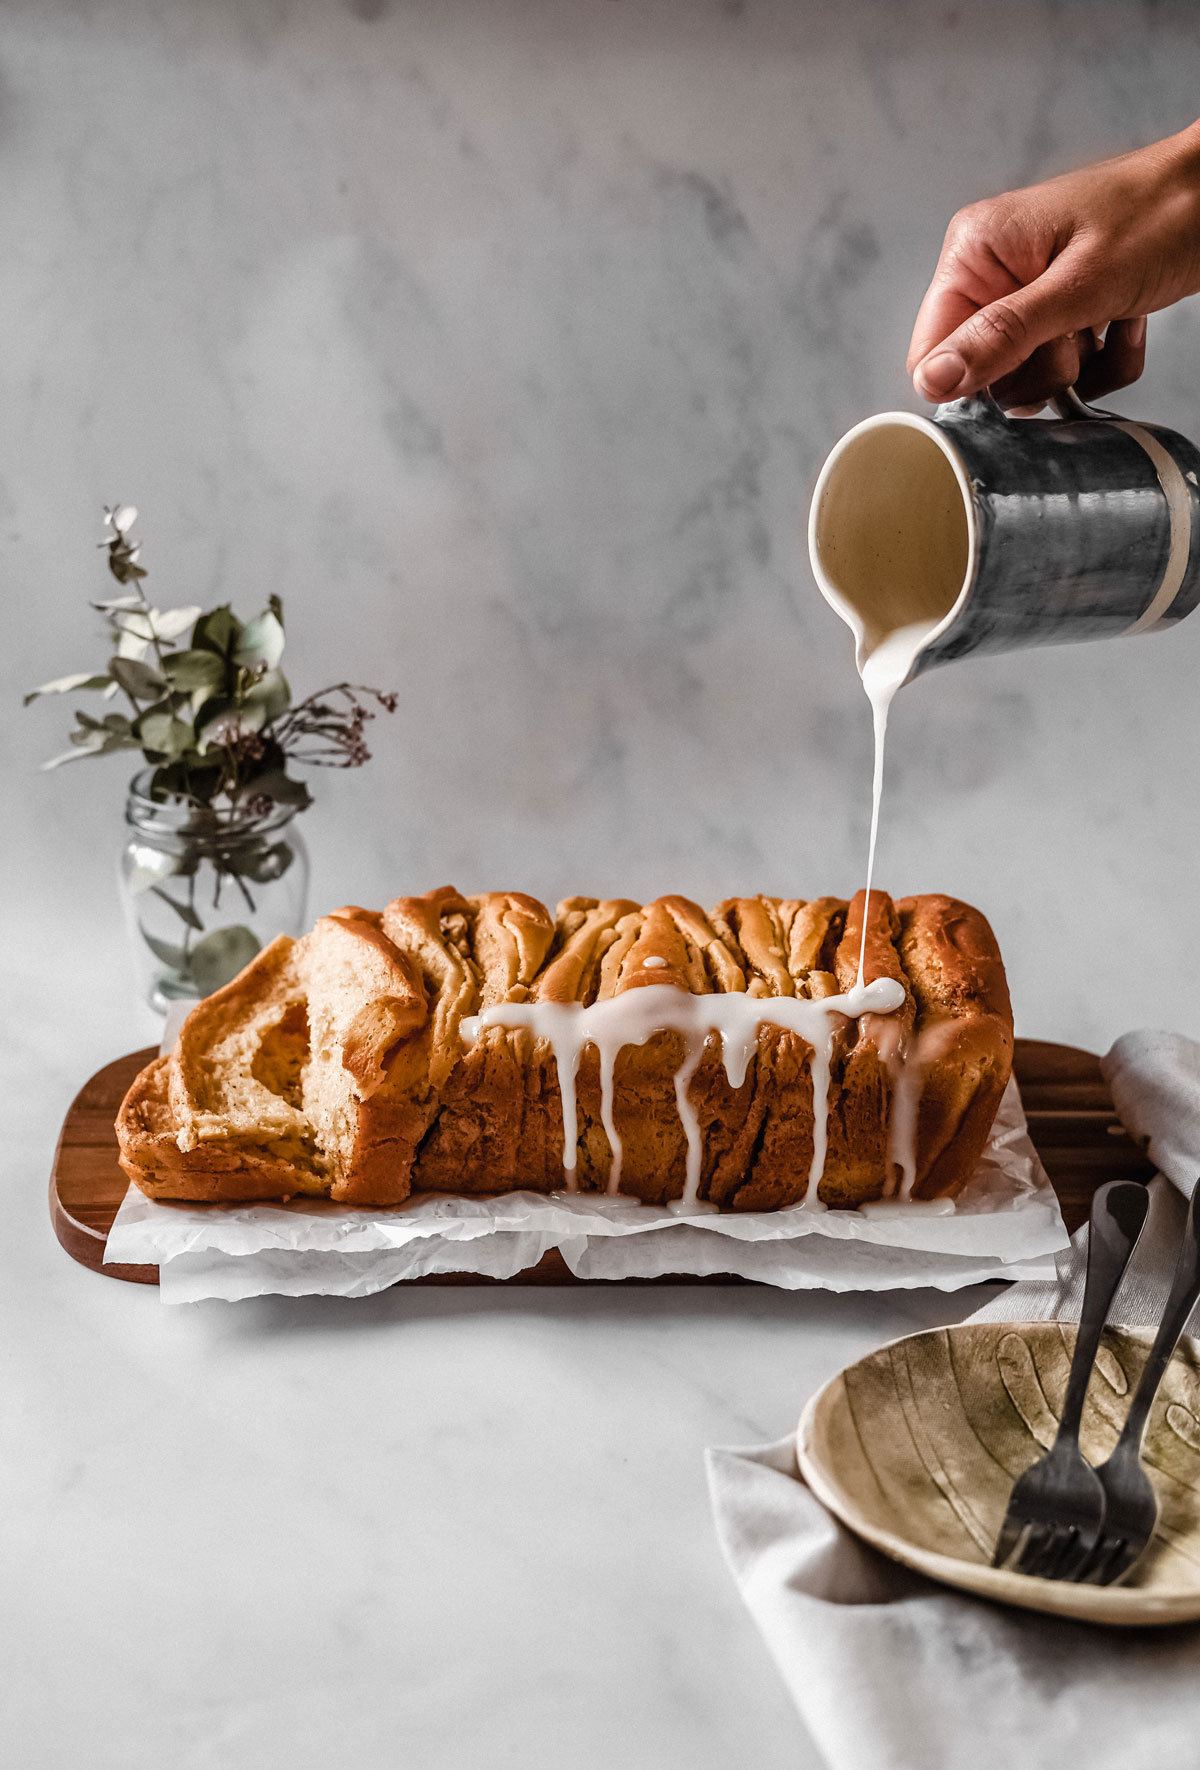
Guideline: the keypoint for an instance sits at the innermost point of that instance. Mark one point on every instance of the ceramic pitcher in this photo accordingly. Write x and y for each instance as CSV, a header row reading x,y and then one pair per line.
x,y
999,532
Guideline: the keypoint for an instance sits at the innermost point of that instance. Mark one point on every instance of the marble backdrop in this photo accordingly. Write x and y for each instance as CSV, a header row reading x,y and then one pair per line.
x,y
504,339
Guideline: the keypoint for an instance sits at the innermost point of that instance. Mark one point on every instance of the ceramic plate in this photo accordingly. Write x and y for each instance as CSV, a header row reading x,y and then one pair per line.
x,y
916,1449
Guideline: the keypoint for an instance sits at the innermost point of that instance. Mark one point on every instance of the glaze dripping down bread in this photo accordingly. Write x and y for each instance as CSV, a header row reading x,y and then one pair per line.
x,y
369,1060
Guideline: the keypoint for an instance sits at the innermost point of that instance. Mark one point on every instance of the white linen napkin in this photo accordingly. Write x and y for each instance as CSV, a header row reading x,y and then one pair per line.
x,y
893,1672
1154,1078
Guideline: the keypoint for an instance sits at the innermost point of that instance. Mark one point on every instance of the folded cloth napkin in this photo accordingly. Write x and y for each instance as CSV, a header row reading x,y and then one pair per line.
x,y
1155,1082
891,1671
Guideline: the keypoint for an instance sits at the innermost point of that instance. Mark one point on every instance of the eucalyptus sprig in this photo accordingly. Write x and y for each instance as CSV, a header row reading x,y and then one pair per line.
x,y
207,703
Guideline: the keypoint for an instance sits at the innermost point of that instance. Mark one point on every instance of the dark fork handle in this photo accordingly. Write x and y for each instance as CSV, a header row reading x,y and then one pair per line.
x,y
1118,1213
1182,1299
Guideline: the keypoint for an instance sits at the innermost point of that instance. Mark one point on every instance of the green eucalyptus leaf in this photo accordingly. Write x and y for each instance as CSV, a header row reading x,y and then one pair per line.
x,y
132,642
265,700
192,671
177,780
96,742
212,731
200,701
137,678
217,959
169,623
184,911
161,708
261,864
137,622
274,784
174,956
251,716
66,684
70,756
261,642
165,734
217,631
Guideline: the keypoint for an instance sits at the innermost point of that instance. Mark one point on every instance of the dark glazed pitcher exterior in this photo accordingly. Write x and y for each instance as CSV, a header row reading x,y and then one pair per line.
x,y
1083,526
1088,527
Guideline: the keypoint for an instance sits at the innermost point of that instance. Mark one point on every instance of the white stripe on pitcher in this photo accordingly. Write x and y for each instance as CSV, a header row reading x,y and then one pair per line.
x,y
1179,509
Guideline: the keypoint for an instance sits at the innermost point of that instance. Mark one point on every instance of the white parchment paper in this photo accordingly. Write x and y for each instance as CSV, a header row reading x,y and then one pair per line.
x,y
1005,1224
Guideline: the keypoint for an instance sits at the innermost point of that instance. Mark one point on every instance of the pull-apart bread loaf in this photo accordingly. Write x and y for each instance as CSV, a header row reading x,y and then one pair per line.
x,y
339,1065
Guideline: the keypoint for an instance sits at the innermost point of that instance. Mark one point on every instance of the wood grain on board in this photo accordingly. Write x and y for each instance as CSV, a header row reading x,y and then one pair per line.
x,y
1070,1111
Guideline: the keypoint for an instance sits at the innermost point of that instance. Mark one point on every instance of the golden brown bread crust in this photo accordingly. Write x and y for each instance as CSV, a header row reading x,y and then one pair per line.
x,y
964,1033
397,1101
484,1109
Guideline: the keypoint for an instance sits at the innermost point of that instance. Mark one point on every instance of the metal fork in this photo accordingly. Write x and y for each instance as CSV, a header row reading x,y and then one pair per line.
x,y
1056,1511
1130,1503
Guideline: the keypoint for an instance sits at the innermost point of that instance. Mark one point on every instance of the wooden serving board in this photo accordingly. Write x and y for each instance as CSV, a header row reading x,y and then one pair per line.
x,y
1070,1112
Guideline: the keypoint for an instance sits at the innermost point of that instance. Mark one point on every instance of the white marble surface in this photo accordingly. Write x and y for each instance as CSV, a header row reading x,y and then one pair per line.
x,y
504,337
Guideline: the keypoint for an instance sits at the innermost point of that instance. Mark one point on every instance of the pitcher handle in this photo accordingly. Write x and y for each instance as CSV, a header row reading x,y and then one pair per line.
x,y
1069,405
985,405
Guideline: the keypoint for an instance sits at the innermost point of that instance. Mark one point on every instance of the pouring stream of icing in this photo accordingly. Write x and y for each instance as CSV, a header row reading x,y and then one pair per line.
x,y
883,675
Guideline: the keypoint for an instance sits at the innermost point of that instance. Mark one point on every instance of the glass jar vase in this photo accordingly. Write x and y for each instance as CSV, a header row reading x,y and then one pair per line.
x,y
204,888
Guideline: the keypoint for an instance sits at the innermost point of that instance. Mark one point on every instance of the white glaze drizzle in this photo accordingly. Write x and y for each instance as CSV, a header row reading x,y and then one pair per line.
x,y
635,1016
694,1043
884,673
608,1064
907,1079
903,1064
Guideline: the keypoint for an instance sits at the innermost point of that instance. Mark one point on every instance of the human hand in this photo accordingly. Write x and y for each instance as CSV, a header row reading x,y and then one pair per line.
x,y
1026,282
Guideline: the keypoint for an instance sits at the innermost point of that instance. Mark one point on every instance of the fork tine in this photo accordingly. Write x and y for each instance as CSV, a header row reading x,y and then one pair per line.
x,y
1075,1563
1034,1547
1087,1567
1042,1566
1013,1540
1100,1567
1042,1559
1117,1563
1070,1553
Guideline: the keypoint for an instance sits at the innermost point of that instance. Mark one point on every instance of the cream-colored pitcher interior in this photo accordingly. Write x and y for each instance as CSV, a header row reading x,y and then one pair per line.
x,y
891,533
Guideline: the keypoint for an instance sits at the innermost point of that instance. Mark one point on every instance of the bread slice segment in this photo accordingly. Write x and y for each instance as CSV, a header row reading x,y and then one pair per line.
x,y
221,1117
769,1159
963,1035
482,951
366,1003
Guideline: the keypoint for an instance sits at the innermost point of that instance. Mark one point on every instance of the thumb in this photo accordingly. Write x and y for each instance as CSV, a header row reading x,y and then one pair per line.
x,y
1001,336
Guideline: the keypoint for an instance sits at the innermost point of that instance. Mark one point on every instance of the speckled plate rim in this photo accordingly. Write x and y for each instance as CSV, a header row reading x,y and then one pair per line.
x,y
1112,1606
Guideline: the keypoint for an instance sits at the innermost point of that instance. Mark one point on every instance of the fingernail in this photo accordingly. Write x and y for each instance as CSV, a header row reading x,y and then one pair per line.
x,y
940,374
1137,331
